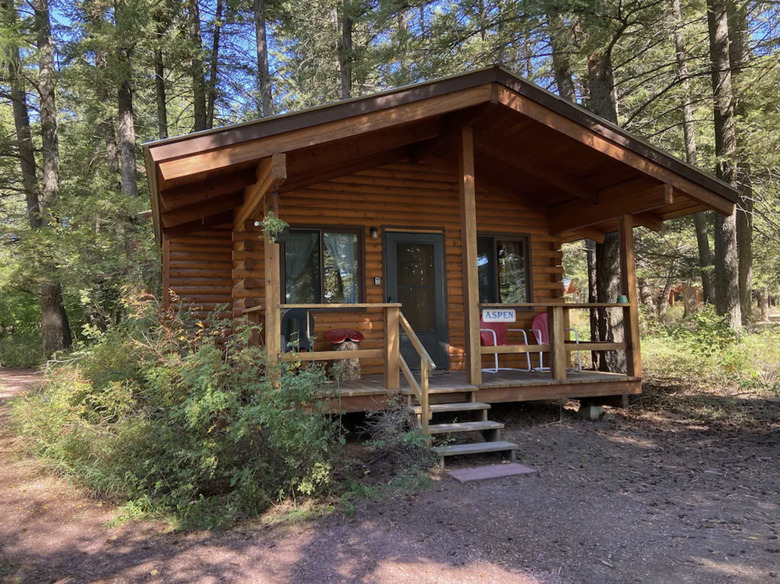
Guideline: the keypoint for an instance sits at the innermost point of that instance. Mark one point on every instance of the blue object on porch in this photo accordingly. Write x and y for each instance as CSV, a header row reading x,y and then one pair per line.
x,y
297,330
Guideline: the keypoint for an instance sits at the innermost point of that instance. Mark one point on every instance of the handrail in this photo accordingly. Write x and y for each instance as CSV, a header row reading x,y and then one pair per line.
x,y
427,366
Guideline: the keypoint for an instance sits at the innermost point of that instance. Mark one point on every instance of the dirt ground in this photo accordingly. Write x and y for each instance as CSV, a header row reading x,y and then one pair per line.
x,y
676,489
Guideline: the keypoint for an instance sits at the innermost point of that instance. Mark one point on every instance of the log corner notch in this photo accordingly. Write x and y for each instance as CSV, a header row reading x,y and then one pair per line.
x,y
271,174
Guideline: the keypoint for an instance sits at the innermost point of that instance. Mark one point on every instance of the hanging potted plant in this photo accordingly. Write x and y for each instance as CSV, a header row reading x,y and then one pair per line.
x,y
276,229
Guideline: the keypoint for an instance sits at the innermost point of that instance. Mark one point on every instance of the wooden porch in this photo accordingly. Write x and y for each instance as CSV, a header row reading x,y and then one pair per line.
x,y
370,393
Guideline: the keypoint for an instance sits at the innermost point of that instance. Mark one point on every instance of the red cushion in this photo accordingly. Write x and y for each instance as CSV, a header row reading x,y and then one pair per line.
x,y
337,336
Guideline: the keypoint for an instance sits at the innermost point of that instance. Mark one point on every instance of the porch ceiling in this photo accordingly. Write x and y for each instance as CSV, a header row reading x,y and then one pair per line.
x,y
577,169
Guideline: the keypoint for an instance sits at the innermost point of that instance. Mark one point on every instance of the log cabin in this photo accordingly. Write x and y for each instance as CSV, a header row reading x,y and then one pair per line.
x,y
416,216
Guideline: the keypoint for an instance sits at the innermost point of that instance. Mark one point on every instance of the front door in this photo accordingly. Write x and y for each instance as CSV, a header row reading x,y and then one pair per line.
x,y
415,277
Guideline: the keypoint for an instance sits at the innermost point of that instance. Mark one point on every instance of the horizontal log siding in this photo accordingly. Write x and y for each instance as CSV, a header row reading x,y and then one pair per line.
x,y
417,196
198,269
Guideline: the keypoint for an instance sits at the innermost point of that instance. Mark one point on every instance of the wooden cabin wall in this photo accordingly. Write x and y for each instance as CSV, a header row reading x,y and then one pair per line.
x,y
421,196
197,269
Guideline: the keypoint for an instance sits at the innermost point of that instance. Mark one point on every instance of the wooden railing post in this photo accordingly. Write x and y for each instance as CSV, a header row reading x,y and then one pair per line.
x,y
629,288
555,332
273,291
392,348
425,410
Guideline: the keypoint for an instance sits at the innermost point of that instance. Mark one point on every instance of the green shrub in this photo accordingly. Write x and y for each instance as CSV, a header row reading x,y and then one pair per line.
x,y
172,415
703,350
21,350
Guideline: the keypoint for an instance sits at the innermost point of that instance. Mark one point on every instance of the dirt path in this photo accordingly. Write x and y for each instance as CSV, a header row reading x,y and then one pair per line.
x,y
652,496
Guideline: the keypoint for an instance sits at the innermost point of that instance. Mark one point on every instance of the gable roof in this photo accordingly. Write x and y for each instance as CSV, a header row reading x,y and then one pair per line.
x,y
183,160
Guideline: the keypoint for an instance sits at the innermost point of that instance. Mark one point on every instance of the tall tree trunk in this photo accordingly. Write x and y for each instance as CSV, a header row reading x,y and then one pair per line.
x,y
24,143
213,66
55,332
196,66
601,94
345,50
561,62
689,133
590,249
125,105
263,72
739,58
608,289
161,28
726,264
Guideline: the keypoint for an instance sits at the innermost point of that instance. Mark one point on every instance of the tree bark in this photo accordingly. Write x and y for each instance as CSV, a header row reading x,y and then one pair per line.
x,y
196,66
726,263
345,50
24,143
55,332
161,27
601,95
561,63
590,249
127,136
214,66
739,58
263,73
608,289
689,134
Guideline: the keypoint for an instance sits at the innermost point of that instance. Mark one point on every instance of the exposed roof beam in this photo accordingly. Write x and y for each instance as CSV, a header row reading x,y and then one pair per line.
x,y
271,173
587,233
557,178
193,213
311,136
212,188
585,136
649,220
574,216
202,223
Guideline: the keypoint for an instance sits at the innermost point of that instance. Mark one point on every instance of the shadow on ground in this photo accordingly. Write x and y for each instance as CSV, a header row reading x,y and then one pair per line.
x,y
648,496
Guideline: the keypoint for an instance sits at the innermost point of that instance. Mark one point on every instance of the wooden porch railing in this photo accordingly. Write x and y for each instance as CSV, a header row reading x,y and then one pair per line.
x,y
559,346
394,363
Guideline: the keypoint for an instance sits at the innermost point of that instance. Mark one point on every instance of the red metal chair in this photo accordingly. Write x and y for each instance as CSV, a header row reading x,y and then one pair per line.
x,y
540,330
493,334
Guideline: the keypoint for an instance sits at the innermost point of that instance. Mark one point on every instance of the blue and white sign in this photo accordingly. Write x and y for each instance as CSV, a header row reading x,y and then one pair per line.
x,y
499,315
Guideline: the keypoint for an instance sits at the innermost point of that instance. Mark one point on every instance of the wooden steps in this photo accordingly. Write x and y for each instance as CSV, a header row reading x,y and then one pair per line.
x,y
452,424
464,427
453,407
477,448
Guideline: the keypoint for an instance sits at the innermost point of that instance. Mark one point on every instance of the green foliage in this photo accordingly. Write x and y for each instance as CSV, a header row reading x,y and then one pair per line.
x,y
175,416
702,350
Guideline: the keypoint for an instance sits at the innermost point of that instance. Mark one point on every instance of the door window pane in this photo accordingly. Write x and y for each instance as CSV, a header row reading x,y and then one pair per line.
x,y
416,284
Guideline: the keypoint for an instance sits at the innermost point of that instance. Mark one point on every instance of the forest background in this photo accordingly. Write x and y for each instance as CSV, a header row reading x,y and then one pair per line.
x,y
85,83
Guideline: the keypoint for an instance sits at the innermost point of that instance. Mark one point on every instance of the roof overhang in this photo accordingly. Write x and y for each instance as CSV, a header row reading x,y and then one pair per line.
x,y
369,127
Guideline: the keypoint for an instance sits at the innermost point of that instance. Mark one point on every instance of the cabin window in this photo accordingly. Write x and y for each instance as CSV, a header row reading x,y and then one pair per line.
x,y
502,267
322,267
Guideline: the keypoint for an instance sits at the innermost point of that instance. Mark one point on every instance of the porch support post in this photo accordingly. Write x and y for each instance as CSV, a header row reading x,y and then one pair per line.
x,y
392,348
273,285
628,286
555,332
468,234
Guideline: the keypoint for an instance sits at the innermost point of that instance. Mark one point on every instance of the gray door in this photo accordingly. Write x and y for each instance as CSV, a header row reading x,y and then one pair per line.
x,y
415,277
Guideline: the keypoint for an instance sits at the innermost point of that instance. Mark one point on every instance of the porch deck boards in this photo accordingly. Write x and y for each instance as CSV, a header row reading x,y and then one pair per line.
x,y
455,381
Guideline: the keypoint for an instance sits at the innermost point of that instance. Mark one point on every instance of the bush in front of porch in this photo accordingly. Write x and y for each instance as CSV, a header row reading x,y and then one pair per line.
x,y
174,416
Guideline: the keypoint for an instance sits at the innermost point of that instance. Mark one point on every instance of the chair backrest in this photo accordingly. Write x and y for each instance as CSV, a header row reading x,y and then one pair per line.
x,y
540,323
295,333
486,339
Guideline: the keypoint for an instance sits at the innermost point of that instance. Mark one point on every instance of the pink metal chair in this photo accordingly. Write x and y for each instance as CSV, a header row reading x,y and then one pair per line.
x,y
540,329
493,334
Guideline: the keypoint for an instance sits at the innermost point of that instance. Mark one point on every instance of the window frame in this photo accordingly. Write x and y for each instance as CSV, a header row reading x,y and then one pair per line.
x,y
525,240
349,229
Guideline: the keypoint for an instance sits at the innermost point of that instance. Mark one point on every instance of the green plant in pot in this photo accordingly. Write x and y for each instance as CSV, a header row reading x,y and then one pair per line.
x,y
275,228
